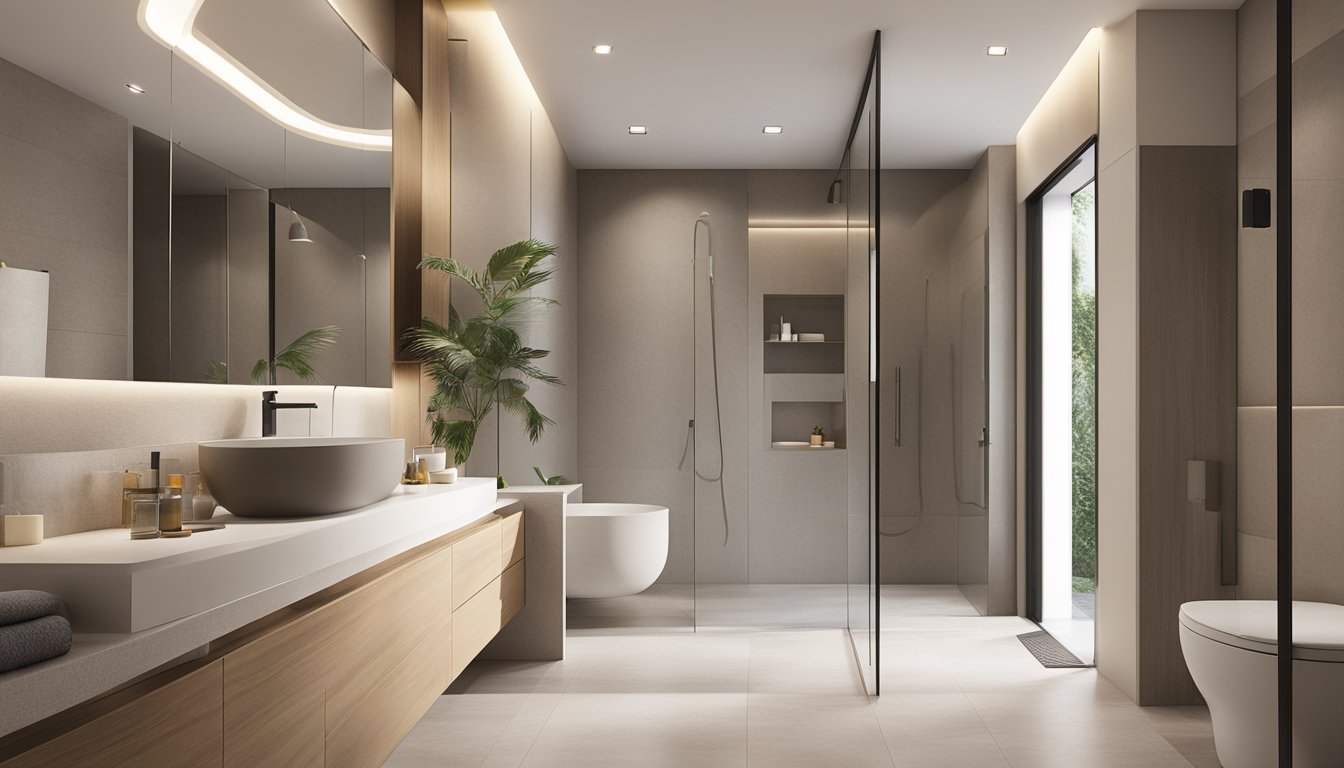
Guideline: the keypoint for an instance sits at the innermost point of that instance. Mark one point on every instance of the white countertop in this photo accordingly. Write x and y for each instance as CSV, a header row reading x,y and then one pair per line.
x,y
138,605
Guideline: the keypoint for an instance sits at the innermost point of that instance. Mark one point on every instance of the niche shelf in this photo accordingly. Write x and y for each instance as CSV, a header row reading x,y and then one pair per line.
x,y
793,421
806,313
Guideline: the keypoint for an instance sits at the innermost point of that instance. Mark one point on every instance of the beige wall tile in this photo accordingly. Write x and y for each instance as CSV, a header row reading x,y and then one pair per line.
x,y
44,115
1255,44
1318,292
1256,306
926,555
1186,70
1318,112
1256,471
85,355
1256,565
1315,22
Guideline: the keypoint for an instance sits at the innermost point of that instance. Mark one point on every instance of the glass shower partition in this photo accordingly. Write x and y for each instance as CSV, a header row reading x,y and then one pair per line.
x,y
859,190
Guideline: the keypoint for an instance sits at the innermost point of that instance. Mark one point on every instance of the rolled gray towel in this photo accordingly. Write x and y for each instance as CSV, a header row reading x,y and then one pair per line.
x,y
32,641
28,604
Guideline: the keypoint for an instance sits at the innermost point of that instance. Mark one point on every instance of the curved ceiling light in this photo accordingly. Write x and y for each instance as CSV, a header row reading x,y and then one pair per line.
x,y
172,24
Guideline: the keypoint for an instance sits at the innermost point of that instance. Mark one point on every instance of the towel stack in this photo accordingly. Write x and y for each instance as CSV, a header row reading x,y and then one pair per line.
x,y
32,628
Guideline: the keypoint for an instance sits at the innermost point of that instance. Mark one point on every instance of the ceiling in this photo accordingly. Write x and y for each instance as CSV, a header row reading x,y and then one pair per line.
x,y
706,75
300,47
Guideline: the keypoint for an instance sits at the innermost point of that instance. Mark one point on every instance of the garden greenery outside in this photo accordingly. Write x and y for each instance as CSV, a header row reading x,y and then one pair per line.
x,y
1084,391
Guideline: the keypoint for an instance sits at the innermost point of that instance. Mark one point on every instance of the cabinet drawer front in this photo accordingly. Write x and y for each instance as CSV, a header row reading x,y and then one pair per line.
x,y
513,539
512,592
475,623
476,562
176,725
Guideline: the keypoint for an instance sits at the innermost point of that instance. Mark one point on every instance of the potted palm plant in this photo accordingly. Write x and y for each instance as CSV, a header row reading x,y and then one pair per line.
x,y
481,364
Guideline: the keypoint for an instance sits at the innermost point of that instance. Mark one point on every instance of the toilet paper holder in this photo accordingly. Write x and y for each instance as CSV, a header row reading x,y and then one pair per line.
x,y
1204,487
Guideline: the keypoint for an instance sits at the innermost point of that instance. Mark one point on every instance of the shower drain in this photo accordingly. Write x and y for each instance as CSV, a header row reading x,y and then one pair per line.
x,y
1049,651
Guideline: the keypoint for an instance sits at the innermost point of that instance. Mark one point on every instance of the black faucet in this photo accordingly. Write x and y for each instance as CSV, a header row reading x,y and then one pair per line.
x,y
269,407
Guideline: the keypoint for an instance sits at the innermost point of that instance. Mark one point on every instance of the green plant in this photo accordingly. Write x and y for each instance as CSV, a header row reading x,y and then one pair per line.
x,y
481,363
818,431
552,480
296,357
1084,388
216,372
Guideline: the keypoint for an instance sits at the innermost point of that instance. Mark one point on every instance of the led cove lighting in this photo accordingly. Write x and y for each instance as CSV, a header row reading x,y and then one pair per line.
x,y
997,50
773,129
133,88
171,23
638,130
602,49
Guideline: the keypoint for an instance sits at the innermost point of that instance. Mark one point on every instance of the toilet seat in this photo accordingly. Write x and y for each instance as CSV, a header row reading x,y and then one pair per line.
x,y
1252,625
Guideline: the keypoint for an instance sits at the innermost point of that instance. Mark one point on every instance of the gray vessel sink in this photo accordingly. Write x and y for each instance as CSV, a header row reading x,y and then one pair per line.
x,y
301,476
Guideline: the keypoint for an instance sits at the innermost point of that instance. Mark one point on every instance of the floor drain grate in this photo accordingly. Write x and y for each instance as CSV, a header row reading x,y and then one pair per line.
x,y
1048,650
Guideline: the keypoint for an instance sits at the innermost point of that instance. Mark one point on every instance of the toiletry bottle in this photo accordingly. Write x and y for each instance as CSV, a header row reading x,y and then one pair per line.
x,y
132,488
421,472
145,524
785,330
170,507
139,483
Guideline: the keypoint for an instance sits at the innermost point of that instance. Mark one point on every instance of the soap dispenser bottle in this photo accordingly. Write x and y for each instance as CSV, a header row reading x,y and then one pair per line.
x,y
144,503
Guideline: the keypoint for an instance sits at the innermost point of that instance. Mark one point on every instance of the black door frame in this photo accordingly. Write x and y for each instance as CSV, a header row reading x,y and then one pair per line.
x,y
1033,370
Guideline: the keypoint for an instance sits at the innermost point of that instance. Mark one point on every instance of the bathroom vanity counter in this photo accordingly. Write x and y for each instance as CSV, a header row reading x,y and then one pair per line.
x,y
136,606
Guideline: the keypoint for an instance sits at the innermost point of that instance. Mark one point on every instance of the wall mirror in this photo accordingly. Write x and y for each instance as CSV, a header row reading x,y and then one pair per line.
x,y
211,198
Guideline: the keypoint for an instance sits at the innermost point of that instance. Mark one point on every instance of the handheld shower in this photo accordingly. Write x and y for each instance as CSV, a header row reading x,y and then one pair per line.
x,y
703,218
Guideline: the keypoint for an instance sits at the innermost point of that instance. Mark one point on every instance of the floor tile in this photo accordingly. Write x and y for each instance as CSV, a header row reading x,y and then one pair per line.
x,y
958,690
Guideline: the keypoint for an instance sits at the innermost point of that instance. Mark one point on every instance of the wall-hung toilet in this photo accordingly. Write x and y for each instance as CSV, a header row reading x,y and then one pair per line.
x,y
1230,649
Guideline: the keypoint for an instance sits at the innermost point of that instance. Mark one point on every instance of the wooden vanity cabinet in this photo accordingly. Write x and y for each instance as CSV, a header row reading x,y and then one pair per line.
x,y
337,679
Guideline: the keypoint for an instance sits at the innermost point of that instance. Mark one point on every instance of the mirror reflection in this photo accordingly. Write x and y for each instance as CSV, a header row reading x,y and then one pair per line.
x,y
204,239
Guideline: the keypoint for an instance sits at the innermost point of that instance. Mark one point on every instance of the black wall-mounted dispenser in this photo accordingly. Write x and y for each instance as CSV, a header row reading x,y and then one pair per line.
x,y
1255,208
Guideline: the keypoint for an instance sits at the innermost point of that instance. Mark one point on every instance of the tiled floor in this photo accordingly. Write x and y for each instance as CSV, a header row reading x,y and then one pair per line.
x,y
958,690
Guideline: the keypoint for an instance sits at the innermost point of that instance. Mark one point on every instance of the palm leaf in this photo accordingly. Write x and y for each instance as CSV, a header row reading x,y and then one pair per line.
x,y
552,480
481,362
511,262
459,270
216,372
297,355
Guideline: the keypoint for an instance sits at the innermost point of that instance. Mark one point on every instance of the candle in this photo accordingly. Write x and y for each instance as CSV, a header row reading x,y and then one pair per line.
x,y
22,529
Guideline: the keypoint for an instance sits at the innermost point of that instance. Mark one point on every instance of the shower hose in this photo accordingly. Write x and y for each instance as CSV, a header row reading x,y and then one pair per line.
x,y
714,356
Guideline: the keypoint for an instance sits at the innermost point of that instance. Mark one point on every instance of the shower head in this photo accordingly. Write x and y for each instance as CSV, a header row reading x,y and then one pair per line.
x,y
703,215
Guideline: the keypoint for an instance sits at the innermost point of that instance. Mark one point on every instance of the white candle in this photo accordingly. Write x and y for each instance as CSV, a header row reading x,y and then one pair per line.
x,y
23,529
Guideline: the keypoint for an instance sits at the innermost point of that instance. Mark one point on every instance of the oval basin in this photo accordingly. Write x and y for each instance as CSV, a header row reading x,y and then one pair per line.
x,y
301,476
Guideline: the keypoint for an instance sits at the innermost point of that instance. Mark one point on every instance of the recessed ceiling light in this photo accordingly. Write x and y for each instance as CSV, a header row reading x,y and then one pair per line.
x,y
773,129
639,130
997,50
602,49
133,88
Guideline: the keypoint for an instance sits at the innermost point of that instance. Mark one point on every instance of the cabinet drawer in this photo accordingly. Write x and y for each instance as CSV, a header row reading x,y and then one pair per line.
x,y
512,531
176,725
476,562
512,592
475,623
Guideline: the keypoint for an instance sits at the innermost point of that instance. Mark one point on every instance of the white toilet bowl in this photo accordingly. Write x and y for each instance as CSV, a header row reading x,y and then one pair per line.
x,y
1230,649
